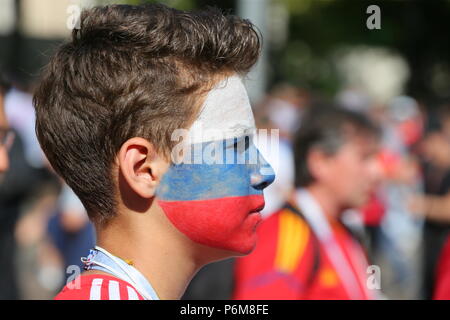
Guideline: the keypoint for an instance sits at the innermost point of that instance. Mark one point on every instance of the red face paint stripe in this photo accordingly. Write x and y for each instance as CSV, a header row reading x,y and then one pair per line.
x,y
226,223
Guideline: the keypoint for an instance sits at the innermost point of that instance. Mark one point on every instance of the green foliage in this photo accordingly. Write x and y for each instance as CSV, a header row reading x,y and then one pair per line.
x,y
416,29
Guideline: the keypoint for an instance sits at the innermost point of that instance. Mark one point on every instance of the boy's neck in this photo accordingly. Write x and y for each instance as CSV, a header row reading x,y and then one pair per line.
x,y
159,251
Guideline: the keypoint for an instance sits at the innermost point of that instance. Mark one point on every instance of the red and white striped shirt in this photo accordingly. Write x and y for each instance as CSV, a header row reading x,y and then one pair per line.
x,y
98,287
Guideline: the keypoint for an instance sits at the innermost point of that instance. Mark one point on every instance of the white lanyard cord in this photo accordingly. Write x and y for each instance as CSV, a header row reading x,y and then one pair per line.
x,y
133,281
314,215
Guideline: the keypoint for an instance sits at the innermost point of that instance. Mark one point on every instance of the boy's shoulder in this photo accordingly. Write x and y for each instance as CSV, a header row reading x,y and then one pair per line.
x,y
98,287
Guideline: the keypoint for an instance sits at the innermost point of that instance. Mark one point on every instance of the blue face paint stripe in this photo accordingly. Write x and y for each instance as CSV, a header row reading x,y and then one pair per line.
x,y
187,182
199,182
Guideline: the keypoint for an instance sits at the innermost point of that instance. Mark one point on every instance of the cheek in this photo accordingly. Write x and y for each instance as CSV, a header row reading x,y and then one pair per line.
x,y
210,204
357,181
347,174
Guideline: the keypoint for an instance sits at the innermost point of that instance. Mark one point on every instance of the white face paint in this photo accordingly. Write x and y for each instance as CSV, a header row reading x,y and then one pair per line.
x,y
226,113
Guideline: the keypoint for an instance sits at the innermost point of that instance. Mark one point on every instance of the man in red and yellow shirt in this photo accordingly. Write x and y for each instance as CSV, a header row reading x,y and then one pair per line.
x,y
303,250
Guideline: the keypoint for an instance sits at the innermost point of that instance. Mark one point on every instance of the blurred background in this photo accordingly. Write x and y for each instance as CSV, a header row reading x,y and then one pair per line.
x,y
314,51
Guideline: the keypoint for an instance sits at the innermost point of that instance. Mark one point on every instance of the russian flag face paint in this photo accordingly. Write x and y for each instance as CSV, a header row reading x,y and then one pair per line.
x,y
214,194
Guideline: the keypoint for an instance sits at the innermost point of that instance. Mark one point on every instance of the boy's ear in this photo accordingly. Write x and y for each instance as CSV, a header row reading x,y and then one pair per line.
x,y
141,166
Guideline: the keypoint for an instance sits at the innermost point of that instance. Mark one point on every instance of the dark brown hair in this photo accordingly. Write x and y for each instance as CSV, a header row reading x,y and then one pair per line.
x,y
130,71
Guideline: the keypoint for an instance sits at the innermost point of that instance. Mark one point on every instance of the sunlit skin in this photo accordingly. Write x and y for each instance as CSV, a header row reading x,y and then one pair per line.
x,y
4,162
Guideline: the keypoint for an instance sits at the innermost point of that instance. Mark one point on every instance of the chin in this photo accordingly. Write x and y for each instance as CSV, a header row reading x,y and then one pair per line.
x,y
246,252
217,253
245,247
243,241
239,244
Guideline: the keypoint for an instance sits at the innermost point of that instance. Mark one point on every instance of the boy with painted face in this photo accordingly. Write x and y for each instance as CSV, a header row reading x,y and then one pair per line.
x,y
110,109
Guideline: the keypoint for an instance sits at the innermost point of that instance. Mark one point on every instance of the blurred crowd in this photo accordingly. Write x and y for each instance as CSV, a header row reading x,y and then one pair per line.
x,y
404,227
44,227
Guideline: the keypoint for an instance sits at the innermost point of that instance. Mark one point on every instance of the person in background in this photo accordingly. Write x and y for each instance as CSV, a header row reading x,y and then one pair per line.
x,y
6,134
434,206
70,230
23,188
8,288
401,120
304,251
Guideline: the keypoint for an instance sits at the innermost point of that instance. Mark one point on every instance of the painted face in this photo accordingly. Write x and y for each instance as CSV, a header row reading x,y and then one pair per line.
x,y
215,193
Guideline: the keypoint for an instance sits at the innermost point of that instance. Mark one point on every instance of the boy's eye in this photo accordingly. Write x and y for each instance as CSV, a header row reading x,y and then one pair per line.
x,y
247,142
242,144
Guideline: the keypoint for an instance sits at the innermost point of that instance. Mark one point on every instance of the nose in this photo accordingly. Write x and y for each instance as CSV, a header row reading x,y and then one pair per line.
x,y
262,174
